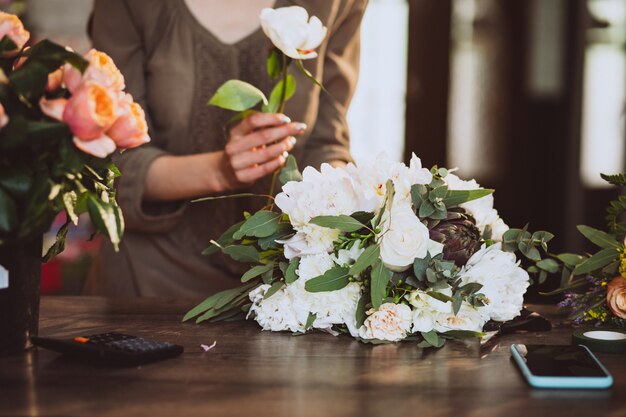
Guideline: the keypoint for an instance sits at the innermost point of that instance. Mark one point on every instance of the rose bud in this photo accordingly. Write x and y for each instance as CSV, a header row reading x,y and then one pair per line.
x,y
130,129
91,111
11,26
101,69
616,296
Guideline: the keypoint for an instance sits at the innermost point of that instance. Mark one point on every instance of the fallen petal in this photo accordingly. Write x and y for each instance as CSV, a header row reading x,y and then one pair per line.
x,y
206,348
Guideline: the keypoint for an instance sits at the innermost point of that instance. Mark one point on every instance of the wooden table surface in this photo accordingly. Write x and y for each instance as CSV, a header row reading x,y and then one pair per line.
x,y
255,373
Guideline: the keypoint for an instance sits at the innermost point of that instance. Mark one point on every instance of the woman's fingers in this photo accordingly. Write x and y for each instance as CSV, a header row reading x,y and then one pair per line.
x,y
265,136
261,155
257,121
253,173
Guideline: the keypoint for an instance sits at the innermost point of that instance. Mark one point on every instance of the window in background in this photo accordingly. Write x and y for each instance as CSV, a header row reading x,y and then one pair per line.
x,y
376,116
604,93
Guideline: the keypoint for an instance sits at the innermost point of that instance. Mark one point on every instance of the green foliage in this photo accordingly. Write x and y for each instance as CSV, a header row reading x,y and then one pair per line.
x,y
597,261
361,314
340,222
218,301
242,253
289,171
380,277
334,279
617,179
288,89
225,239
273,289
255,271
456,197
290,273
367,259
431,339
598,237
309,321
263,223
237,95
274,64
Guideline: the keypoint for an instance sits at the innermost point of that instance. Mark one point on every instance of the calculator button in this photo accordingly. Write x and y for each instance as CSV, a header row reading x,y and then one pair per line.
x,y
81,339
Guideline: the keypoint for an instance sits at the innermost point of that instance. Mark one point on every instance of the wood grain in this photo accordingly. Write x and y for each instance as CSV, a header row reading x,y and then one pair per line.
x,y
255,373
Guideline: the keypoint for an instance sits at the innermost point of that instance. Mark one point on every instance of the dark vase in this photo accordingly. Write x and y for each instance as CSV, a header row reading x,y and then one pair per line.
x,y
19,303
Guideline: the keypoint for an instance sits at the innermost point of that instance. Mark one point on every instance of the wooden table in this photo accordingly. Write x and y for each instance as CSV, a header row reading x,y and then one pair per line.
x,y
255,373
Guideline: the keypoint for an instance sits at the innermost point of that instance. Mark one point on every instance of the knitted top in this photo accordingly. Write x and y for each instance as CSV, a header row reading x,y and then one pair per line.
x,y
172,65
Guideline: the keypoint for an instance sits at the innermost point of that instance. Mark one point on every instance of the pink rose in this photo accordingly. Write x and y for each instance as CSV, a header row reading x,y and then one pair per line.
x,y
616,296
4,118
100,147
101,69
91,111
130,129
11,26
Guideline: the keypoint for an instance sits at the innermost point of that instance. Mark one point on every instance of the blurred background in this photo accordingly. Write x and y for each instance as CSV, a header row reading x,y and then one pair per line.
x,y
525,96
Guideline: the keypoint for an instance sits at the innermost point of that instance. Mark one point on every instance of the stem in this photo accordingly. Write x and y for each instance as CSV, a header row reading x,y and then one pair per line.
x,y
283,93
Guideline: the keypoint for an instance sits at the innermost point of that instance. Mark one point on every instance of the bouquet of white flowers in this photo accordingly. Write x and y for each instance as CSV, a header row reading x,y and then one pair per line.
x,y
382,251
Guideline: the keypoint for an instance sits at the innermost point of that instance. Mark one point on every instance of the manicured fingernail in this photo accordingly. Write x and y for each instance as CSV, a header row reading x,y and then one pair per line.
x,y
284,118
301,127
285,154
292,140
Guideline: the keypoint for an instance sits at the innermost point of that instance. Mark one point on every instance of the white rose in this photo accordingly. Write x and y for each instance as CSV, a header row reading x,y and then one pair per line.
x,y
481,209
291,31
468,318
403,238
390,322
504,282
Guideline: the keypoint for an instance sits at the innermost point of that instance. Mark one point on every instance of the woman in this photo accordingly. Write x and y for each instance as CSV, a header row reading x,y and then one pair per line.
x,y
174,55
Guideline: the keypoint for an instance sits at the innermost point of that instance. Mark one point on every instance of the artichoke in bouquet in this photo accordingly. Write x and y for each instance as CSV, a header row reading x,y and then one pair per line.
x,y
459,235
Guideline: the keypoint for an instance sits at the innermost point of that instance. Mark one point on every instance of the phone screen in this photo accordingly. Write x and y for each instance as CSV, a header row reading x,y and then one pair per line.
x,y
563,361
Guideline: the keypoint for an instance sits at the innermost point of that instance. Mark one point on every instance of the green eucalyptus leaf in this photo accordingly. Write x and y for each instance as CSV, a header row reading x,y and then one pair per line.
x,y
549,265
362,216
273,289
361,314
309,321
340,222
598,237
380,278
369,256
256,270
598,261
332,280
225,239
237,95
263,223
433,339
242,253
290,172
456,197
570,259
291,276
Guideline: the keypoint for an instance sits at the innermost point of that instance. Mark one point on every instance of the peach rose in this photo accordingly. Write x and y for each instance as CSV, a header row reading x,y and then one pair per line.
x,y
616,297
11,26
91,111
130,129
101,69
53,108
4,118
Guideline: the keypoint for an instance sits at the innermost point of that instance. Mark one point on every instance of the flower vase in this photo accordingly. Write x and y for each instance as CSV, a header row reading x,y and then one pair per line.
x,y
19,302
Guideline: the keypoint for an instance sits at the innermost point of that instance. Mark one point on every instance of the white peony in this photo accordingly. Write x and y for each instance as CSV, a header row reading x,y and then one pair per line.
x,y
291,31
275,313
426,309
390,322
403,238
328,192
371,179
468,318
504,282
481,209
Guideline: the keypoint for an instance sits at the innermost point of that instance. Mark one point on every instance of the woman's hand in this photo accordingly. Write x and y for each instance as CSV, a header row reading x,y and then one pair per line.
x,y
258,146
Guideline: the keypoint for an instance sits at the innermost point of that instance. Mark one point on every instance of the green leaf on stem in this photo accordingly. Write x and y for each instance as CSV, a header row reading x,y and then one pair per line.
x,y
597,261
211,301
360,314
340,222
290,274
256,270
308,74
106,219
456,197
309,321
571,259
242,253
263,223
59,244
598,237
8,213
432,339
369,256
380,278
69,201
225,239
548,265
332,280
274,66
237,95
274,103
290,172
273,289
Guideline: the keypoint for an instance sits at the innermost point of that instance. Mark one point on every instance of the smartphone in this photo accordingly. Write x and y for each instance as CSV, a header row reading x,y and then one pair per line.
x,y
554,366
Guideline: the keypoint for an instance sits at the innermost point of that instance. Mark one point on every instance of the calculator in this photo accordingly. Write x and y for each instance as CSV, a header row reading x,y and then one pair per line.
x,y
113,348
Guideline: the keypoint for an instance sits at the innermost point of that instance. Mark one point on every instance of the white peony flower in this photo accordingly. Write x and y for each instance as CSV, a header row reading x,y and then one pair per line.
x,y
468,318
504,282
371,179
426,309
275,313
390,322
328,192
481,209
403,238
312,266
291,31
